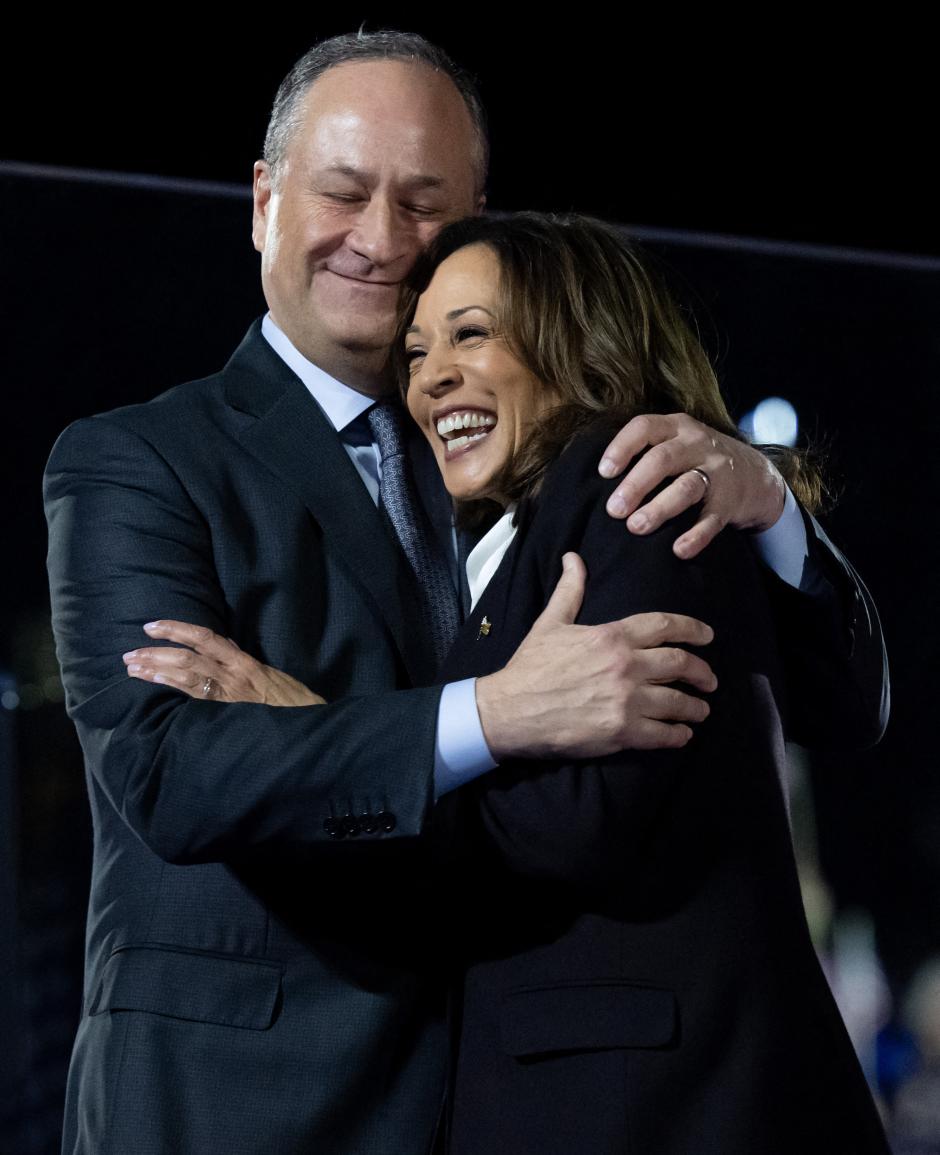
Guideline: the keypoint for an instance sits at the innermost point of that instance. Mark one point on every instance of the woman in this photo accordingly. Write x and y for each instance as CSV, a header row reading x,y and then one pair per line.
x,y
637,973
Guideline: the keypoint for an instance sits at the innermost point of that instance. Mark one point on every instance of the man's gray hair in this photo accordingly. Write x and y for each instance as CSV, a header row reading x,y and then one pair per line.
x,y
355,47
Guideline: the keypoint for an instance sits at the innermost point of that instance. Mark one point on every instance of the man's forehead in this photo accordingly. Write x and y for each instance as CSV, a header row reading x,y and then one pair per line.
x,y
385,86
402,116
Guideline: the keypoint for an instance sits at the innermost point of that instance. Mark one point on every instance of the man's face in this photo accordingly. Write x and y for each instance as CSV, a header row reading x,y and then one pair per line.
x,y
380,161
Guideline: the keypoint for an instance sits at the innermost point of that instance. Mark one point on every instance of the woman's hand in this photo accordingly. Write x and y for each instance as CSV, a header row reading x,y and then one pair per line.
x,y
213,667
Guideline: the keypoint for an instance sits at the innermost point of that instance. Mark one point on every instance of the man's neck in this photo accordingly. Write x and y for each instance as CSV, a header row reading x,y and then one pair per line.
x,y
364,370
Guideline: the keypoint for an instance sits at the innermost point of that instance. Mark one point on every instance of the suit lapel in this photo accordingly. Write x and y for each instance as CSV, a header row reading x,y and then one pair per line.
x,y
291,436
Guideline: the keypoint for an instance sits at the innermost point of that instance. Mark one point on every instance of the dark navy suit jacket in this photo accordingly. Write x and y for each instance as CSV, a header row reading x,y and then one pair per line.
x,y
258,977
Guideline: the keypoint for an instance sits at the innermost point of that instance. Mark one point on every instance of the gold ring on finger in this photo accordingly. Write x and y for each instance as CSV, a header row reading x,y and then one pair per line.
x,y
703,475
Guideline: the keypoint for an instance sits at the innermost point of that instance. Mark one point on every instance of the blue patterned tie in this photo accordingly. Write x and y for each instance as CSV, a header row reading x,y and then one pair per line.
x,y
398,497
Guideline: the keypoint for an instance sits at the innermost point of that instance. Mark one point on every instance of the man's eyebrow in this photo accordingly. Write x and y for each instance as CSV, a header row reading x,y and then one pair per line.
x,y
454,314
424,181
417,183
346,170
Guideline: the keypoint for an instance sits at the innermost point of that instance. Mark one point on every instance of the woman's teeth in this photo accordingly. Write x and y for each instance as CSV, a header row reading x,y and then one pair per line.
x,y
450,425
457,442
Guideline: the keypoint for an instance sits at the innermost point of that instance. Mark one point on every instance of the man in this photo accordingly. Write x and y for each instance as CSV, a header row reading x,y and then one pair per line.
x,y
260,972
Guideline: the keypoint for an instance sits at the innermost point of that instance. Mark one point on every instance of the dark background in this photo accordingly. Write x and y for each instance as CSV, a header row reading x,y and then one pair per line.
x,y
711,141
792,127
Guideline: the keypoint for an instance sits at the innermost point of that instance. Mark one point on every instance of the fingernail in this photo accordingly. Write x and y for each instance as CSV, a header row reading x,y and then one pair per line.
x,y
607,467
150,626
616,506
130,654
638,522
681,549
134,668
159,678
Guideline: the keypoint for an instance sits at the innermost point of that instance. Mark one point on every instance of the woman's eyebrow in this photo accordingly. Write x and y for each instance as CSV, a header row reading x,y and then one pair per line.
x,y
455,313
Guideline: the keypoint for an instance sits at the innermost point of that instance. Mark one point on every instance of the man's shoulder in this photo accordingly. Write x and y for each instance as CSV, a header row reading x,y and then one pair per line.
x,y
187,412
178,403
177,417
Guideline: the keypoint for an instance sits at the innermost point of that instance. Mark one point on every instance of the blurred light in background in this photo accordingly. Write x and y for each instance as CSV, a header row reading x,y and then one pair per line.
x,y
772,421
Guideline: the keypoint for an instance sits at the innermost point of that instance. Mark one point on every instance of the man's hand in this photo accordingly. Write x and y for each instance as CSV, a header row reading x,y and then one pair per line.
x,y
213,667
584,691
744,489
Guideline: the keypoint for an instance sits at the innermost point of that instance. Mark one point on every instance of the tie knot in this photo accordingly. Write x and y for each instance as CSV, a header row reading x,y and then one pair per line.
x,y
358,431
388,428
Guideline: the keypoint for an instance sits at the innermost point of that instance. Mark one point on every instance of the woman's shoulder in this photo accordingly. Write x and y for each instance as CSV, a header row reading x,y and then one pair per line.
x,y
628,572
570,513
574,492
578,462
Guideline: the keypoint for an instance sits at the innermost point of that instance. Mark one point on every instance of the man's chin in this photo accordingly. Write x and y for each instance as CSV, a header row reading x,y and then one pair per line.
x,y
364,344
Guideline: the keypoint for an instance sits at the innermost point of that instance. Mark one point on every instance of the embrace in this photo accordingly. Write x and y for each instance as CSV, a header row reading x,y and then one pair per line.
x,y
521,879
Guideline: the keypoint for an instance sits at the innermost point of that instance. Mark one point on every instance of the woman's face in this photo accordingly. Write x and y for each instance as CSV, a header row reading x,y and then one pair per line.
x,y
474,399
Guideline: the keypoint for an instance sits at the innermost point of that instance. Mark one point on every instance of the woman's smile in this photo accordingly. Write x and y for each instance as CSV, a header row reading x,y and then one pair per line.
x,y
463,429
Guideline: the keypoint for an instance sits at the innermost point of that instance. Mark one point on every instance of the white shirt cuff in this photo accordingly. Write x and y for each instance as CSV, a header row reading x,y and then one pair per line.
x,y
460,752
784,547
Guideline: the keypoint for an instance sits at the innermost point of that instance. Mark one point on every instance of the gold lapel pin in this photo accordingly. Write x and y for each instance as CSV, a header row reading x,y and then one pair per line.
x,y
485,626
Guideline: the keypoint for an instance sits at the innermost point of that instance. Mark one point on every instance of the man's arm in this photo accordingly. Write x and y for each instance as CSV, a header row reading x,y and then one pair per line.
x,y
585,823
205,780
196,780
832,649
830,635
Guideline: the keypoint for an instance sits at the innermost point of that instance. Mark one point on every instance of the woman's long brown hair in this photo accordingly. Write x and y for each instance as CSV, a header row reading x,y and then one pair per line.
x,y
583,311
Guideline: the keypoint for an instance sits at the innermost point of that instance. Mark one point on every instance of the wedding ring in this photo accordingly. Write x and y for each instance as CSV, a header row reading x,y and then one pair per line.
x,y
703,475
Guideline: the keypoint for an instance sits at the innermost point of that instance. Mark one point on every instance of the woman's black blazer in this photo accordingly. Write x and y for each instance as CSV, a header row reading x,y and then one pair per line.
x,y
637,973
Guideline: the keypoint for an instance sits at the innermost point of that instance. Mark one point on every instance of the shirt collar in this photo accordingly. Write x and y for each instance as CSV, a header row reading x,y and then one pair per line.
x,y
341,404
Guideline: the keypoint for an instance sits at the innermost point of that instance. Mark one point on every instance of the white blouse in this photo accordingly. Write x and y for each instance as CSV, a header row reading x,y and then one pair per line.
x,y
483,560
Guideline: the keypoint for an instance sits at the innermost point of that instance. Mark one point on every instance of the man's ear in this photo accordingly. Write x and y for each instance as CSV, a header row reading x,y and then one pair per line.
x,y
262,190
480,206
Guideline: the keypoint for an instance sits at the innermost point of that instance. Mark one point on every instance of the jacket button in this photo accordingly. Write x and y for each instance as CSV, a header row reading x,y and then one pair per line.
x,y
368,822
332,827
351,826
386,821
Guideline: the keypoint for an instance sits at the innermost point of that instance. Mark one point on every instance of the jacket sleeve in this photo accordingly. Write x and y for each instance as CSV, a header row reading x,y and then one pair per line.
x,y
833,652
202,781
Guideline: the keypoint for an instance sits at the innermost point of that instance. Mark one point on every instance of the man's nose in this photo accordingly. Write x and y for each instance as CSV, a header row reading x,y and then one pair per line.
x,y
380,235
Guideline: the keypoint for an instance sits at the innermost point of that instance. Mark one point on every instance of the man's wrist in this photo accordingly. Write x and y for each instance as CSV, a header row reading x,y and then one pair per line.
x,y
461,752
783,547
773,497
501,737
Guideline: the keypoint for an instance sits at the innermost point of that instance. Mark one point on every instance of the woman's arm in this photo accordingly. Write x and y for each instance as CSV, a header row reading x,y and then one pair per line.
x,y
205,665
